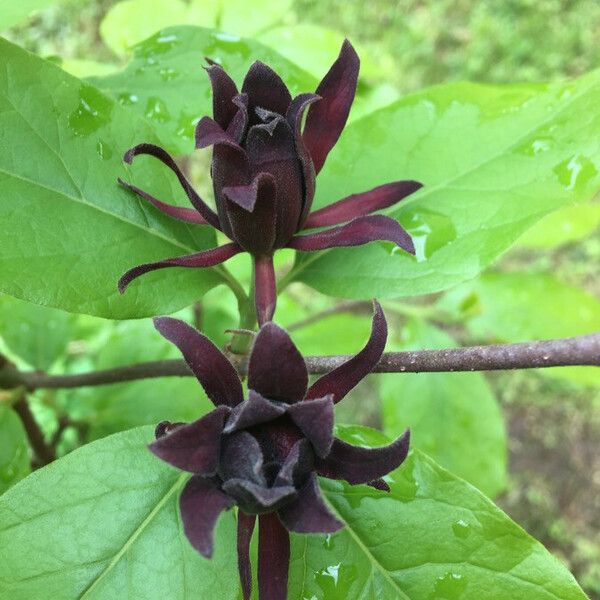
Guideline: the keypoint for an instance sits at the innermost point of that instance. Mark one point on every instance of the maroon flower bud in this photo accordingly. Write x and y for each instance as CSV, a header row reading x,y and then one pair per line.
x,y
263,170
264,454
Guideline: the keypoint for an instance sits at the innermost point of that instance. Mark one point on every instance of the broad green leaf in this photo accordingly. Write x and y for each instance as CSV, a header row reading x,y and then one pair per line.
x,y
37,334
432,536
112,408
518,307
68,231
14,449
563,226
494,160
12,13
130,22
103,522
166,84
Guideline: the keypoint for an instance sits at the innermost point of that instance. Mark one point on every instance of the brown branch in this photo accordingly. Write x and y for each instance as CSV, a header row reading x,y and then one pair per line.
x,y
44,452
581,350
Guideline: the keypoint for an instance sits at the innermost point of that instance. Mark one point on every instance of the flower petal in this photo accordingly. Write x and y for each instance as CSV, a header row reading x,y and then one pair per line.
x,y
257,499
297,465
294,116
341,380
308,513
273,558
315,420
254,411
265,289
362,465
271,148
201,503
237,126
251,213
276,368
379,484
189,215
211,367
358,205
210,133
206,258
195,447
326,119
265,89
361,230
245,528
242,458
223,90
167,159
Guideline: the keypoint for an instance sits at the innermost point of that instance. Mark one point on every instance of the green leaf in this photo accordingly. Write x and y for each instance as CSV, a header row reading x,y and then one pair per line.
x,y
518,307
116,407
453,417
494,160
13,13
37,334
564,226
68,231
129,22
432,536
166,84
103,522
14,449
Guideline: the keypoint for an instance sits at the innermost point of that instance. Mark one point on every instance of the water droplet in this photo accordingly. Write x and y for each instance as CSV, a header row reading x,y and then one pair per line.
x,y
449,586
93,110
575,172
186,125
104,150
168,73
461,529
160,43
127,99
336,580
156,110
430,231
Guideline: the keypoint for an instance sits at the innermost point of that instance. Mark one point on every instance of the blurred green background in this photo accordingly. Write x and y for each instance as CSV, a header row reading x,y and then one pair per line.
x,y
553,423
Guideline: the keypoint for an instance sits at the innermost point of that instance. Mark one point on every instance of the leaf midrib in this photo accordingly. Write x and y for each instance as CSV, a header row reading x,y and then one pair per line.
x,y
133,537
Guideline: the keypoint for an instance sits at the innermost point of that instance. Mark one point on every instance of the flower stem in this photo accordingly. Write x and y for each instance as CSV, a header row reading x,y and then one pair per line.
x,y
265,288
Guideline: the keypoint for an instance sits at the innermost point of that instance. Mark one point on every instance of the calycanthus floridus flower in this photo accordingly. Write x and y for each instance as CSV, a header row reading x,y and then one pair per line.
x,y
263,454
263,170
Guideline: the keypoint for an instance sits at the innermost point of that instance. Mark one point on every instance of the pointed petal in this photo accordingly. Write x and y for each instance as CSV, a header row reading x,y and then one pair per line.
x,y
341,380
361,230
271,148
379,484
215,373
245,528
189,215
242,458
294,117
273,558
167,159
251,213
276,368
362,465
165,427
326,119
195,447
265,89
315,420
206,258
254,411
201,503
358,205
258,499
265,289
308,513
224,90
210,133
237,126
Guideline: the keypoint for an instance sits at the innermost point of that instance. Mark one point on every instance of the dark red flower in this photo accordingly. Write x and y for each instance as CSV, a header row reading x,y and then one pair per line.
x,y
264,454
263,170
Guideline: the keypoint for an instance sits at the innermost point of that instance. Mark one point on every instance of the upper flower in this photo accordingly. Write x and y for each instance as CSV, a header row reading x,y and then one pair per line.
x,y
263,454
263,169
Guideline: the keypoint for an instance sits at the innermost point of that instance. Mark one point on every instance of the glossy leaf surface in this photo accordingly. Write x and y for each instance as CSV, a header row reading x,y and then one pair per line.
x,y
68,231
103,522
494,160
14,449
